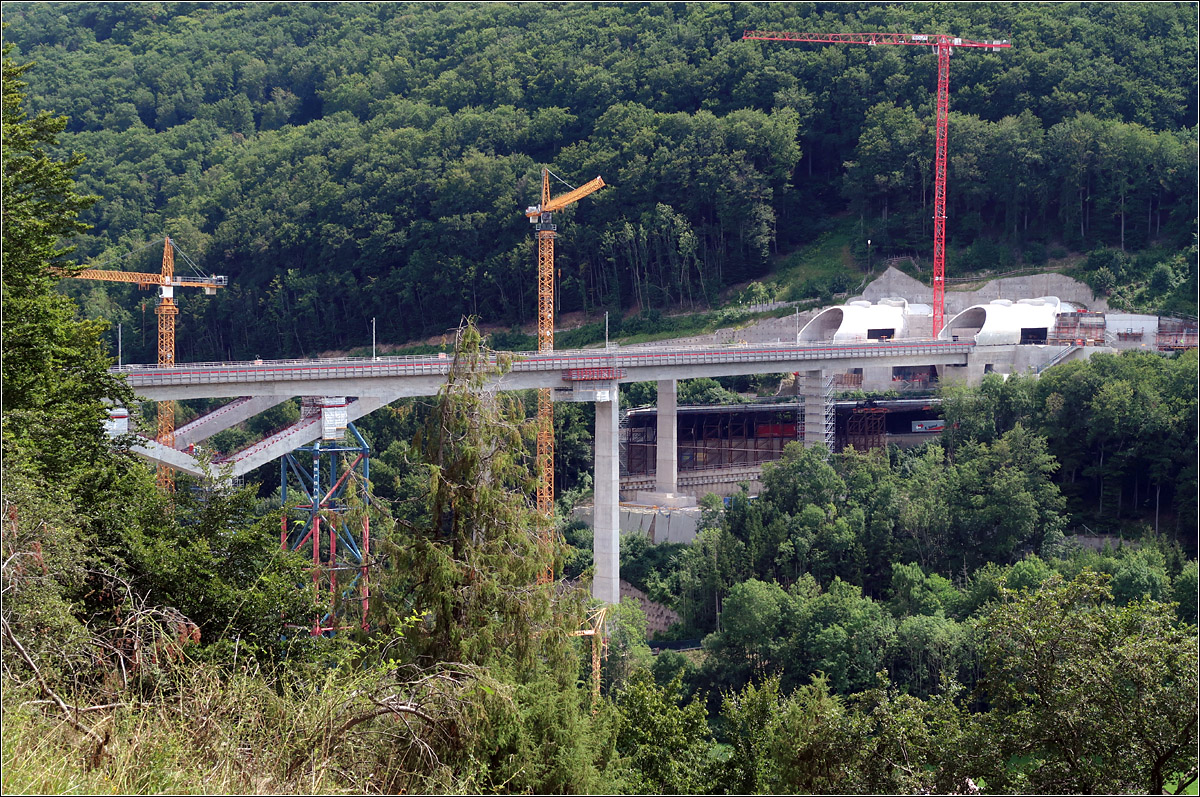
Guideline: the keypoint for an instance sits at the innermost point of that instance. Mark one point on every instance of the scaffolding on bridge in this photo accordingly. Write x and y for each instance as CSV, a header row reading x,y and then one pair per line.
x,y
816,391
866,428
711,436
1177,334
1079,328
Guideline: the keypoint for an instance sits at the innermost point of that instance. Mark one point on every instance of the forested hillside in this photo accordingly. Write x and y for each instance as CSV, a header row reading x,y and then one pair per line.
x,y
343,162
899,622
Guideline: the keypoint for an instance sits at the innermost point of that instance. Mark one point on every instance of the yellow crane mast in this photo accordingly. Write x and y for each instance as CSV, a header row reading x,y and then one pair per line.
x,y
539,215
166,311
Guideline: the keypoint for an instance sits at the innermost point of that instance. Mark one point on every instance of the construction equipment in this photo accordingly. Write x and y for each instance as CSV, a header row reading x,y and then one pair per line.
x,y
596,621
540,217
943,46
333,475
166,311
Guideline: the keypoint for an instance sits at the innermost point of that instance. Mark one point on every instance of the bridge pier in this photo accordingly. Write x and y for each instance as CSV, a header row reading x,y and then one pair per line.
x,y
666,479
606,519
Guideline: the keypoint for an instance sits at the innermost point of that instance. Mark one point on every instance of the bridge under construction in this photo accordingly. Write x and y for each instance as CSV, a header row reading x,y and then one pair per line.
x,y
339,391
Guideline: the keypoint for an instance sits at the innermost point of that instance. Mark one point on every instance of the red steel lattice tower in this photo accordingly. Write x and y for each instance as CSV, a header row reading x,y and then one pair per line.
x,y
943,45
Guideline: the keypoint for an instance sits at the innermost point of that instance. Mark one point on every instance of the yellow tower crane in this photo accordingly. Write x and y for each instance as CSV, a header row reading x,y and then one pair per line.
x,y
166,311
596,621
539,215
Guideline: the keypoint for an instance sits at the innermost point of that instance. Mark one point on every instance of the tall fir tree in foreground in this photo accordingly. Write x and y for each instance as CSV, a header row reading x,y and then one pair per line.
x,y
54,368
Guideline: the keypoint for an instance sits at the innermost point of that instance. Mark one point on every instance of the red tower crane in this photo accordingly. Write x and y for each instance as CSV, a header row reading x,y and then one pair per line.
x,y
943,46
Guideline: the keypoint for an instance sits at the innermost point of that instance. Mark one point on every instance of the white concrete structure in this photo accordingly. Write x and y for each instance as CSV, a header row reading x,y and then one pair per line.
x,y
606,529
667,470
393,378
861,321
1131,330
370,384
1003,322
659,523
118,422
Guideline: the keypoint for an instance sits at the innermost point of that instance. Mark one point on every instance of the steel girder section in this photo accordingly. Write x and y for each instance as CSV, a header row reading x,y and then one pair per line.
x,y
220,419
304,431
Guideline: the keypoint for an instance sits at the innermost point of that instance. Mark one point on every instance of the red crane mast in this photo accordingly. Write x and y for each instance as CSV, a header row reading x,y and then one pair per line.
x,y
943,45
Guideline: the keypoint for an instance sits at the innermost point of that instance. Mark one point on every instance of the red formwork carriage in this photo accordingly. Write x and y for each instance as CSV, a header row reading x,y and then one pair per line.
x,y
1079,328
1177,334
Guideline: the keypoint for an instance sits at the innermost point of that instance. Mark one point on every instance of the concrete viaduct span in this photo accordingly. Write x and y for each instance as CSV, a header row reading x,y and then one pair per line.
x,y
353,387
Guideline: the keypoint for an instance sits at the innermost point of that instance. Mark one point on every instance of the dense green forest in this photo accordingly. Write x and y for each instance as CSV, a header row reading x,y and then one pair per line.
x,y
896,621
355,161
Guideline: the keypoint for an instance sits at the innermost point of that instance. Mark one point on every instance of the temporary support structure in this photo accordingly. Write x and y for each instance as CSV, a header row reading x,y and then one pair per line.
x,y
325,472
866,427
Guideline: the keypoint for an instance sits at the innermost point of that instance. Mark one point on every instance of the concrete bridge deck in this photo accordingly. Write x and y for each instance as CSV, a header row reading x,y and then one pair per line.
x,y
400,377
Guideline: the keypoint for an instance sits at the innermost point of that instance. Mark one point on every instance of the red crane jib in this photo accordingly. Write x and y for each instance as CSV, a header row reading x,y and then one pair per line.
x,y
912,39
944,45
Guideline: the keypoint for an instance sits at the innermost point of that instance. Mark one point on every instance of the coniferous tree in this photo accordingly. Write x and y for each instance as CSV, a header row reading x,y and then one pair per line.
x,y
55,377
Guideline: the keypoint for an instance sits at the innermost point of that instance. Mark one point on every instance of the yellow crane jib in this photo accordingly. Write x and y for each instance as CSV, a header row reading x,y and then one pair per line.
x,y
209,284
560,202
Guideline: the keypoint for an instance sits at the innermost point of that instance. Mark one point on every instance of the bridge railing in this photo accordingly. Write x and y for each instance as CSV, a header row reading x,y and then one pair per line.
x,y
809,351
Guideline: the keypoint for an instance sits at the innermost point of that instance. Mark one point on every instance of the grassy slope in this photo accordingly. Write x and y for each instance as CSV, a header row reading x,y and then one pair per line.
x,y
820,262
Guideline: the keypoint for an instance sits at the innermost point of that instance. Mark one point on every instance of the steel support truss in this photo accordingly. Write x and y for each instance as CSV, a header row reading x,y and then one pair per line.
x,y
336,528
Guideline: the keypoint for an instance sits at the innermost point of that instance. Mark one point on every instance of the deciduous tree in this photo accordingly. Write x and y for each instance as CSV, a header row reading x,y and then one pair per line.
x,y
1087,696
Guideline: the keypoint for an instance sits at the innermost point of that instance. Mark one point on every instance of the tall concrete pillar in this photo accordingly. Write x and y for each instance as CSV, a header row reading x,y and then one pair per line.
x,y
666,479
606,529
